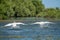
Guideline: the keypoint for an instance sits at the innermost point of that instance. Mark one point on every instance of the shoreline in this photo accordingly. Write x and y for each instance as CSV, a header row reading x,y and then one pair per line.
x,y
23,20
30,19
9,20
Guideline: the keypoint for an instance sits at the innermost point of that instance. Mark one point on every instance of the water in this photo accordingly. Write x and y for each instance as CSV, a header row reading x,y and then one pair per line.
x,y
31,32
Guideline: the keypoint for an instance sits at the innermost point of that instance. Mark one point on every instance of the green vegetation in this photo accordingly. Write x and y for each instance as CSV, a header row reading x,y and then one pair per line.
x,y
26,8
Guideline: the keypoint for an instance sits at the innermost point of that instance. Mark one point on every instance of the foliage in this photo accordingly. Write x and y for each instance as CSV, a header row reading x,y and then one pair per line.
x,y
26,8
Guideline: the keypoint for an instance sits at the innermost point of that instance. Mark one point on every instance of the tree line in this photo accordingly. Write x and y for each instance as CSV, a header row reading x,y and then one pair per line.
x,y
26,8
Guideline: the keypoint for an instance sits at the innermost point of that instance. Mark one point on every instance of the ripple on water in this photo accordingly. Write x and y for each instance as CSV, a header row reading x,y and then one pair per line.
x,y
30,32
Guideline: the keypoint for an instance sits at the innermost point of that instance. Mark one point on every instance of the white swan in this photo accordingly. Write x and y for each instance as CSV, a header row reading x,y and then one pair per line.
x,y
42,24
14,24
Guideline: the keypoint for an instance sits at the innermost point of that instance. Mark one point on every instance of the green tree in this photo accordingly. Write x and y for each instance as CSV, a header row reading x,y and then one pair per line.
x,y
22,8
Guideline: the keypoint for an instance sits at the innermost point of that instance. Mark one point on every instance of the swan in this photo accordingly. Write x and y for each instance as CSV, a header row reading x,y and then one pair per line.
x,y
14,24
42,24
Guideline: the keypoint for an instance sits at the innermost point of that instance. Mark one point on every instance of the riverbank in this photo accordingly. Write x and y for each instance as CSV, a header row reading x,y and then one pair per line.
x,y
9,20
30,19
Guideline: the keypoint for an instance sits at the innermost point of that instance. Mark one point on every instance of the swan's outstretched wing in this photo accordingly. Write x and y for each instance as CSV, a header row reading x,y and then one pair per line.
x,y
21,23
38,23
49,22
34,23
8,24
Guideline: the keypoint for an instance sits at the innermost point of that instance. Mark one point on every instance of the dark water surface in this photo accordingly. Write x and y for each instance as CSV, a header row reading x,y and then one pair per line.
x,y
31,32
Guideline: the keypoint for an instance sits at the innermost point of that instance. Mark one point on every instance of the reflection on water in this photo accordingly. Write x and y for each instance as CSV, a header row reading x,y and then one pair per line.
x,y
30,32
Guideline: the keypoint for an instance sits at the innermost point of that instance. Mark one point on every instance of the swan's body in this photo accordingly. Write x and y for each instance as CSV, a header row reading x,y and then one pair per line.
x,y
14,24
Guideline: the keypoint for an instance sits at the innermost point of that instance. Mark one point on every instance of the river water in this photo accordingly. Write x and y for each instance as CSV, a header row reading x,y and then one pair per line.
x,y
31,32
